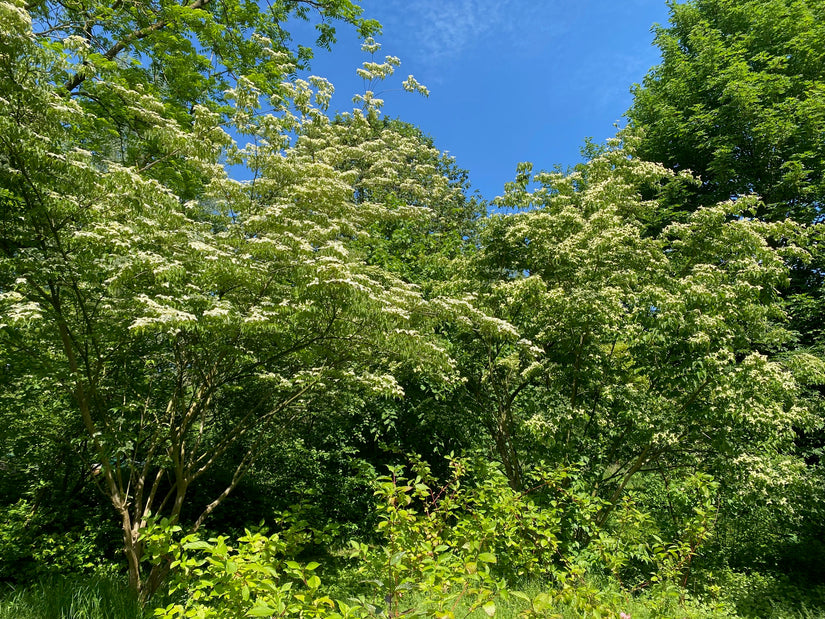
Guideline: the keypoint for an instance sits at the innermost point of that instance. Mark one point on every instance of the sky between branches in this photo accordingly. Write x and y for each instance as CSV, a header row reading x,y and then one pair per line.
x,y
509,80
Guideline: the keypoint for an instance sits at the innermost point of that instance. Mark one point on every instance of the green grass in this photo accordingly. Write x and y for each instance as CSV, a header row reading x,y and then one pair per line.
x,y
107,597
71,598
773,596
655,604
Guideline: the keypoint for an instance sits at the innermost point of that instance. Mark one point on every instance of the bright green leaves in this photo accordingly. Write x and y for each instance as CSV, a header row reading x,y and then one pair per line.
x,y
737,100
628,346
445,550
193,48
253,578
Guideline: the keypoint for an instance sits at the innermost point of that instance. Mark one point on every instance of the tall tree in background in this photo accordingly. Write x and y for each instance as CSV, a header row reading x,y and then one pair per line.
x,y
739,100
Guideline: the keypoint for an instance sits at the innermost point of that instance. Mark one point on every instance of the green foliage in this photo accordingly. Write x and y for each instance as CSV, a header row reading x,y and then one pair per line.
x,y
738,101
255,579
445,550
770,595
170,336
193,49
101,597
32,547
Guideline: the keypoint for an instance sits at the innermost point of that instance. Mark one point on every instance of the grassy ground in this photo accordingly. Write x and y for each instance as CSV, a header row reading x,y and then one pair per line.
x,y
109,598
71,598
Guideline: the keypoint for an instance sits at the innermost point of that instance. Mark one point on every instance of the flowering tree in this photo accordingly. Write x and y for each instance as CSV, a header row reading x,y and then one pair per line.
x,y
185,312
737,99
636,352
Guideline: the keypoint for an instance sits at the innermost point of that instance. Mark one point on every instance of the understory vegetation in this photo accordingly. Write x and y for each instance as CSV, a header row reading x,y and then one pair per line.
x,y
345,387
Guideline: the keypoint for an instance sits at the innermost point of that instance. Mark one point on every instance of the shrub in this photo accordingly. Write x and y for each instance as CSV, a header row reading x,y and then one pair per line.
x,y
444,550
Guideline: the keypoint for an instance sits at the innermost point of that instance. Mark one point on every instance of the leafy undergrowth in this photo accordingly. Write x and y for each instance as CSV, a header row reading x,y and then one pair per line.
x,y
459,550
773,596
93,597
470,548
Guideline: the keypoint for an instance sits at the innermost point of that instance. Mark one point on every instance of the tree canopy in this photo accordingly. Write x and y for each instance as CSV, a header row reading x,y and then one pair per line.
x,y
613,350
738,100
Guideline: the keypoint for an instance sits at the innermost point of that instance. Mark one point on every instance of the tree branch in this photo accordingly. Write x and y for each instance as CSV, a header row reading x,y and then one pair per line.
x,y
77,79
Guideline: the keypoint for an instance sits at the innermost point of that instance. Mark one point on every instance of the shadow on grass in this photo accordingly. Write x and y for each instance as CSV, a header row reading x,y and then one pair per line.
x,y
59,597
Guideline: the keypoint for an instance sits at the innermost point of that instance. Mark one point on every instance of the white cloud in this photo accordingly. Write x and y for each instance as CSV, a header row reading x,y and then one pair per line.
x,y
442,30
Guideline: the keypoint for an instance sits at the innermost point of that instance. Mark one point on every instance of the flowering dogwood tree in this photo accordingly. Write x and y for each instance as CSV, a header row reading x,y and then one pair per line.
x,y
155,302
638,352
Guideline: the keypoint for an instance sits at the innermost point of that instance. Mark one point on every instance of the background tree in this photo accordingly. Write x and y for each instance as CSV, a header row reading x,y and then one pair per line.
x,y
738,101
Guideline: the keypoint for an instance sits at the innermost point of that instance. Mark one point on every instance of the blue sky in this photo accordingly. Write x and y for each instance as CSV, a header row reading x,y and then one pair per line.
x,y
509,80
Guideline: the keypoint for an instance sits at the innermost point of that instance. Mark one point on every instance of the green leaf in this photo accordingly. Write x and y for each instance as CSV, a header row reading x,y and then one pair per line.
x,y
261,610
396,558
